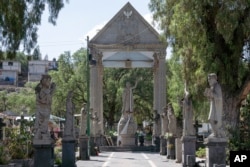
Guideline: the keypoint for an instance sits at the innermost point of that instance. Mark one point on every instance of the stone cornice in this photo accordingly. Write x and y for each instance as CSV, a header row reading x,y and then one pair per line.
x,y
136,47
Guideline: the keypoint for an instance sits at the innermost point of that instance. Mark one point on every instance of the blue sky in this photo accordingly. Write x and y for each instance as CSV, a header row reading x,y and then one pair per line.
x,y
78,19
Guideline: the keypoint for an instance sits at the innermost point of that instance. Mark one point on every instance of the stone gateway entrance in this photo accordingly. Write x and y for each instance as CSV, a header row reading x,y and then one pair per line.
x,y
127,41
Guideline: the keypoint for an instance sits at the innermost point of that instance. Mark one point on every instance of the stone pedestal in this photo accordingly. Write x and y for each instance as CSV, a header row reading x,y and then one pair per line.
x,y
128,140
178,150
215,151
127,130
68,153
157,142
188,148
94,145
44,155
171,148
83,149
163,146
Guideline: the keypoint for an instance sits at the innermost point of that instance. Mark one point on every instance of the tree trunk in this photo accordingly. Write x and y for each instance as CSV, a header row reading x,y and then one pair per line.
x,y
231,107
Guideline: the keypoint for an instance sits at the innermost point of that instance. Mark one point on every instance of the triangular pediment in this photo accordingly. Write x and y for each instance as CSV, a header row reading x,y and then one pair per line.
x,y
127,27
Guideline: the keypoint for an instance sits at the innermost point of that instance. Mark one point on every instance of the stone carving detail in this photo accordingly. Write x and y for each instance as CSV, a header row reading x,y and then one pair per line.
x,y
128,13
128,28
214,94
44,91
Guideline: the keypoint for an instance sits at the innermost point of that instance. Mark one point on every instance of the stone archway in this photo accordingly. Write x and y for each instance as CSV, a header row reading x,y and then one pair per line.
x,y
127,41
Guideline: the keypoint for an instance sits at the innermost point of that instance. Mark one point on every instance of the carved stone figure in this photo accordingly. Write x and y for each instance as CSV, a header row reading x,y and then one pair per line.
x,y
188,128
95,121
172,120
83,120
157,124
127,99
126,126
164,121
214,94
69,124
44,91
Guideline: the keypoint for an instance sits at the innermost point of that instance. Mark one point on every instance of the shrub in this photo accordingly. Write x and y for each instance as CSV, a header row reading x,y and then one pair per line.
x,y
201,153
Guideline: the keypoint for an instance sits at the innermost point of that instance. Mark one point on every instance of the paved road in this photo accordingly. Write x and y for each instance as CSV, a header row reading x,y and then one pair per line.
x,y
128,159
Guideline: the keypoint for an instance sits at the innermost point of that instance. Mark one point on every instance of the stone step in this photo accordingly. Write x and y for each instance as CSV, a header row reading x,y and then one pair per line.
x,y
127,148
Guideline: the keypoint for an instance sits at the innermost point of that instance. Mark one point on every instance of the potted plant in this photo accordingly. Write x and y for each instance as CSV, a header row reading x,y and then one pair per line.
x,y
19,145
58,156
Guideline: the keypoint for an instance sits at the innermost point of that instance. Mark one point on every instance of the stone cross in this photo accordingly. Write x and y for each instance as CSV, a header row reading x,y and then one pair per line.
x,y
22,122
197,126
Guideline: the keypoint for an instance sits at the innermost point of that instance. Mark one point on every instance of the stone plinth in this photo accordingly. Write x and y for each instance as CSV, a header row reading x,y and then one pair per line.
x,y
127,140
163,146
127,130
171,148
188,148
215,151
83,149
156,143
178,151
68,153
44,155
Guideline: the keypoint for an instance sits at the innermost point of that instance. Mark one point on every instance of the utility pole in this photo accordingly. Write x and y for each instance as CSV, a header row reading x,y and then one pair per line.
x,y
88,95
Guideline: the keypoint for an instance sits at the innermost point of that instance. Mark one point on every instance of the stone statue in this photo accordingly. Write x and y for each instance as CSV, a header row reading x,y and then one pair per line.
x,y
69,124
172,126
126,126
83,120
214,94
127,99
157,125
164,121
44,91
188,128
95,121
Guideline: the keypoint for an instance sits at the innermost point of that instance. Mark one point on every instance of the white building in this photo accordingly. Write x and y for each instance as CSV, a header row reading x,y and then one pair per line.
x,y
9,71
39,67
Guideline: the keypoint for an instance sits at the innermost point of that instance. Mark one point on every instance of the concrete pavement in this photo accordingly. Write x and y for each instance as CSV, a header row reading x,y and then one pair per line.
x,y
128,159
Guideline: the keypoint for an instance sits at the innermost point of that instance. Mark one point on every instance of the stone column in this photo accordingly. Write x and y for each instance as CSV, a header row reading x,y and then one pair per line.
x,y
96,99
215,151
156,125
93,96
159,89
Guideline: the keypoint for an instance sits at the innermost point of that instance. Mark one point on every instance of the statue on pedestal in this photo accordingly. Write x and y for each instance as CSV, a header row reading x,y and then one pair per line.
x,y
126,125
44,91
188,128
214,94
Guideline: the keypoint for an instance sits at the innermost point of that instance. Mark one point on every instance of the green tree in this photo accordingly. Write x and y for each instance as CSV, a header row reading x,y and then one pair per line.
x,y
70,76
19,21
21,100
114,82
210,36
